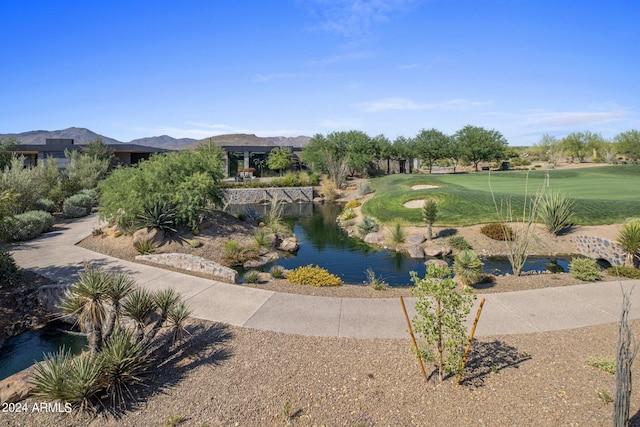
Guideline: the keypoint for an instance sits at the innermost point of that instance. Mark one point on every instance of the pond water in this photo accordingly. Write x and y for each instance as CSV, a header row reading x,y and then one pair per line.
x,y
324,243
24,350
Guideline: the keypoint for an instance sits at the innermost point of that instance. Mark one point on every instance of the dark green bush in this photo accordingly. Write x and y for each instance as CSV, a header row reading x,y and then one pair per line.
x,y
9,273
459,243
45,205
497,231
77,206
28,225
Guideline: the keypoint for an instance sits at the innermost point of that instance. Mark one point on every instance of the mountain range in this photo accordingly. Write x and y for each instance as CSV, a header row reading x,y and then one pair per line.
x,y
85,136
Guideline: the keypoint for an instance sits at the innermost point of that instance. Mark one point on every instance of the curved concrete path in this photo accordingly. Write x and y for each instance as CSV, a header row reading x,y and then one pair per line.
x,y
56,256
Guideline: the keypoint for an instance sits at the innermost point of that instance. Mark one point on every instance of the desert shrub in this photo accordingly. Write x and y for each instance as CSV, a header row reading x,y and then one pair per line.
x,y
367,225
497,231
584,269
160,215
277,272
9,273
556,212
251,277
234,254
26,184
348,214
397,232
45,205
263,237
605,364
146,247
364,188
28,225
195,243
629,240
467,267
312,276
352,204
374,281
77,206
625,271
329,189
459,243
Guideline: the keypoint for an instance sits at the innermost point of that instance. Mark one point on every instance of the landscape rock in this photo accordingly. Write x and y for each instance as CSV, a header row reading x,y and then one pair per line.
x,y
148,233
288,244
192,263
16,387
446,251
432,251
436,262
415,239
261,260
374,238
49,297
416,251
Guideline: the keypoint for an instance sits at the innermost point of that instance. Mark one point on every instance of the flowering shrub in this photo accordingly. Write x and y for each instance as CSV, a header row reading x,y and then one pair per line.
x,y
312,276
625,271
352,204
497,231
348,214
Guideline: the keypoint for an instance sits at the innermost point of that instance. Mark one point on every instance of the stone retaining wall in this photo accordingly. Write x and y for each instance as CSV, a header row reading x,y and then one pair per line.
x,y
192,263
599,248
244,196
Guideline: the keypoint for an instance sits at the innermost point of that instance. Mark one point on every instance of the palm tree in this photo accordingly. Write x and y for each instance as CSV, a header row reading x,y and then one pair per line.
x,y
629,240
467,267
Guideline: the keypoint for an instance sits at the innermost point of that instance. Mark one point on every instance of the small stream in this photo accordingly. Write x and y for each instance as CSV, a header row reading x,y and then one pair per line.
x,y
25,349
324,243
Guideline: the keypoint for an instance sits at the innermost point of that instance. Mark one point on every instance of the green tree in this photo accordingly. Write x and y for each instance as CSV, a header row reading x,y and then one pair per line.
x,y
441,315
98,149
480,145
280,158
432,145
7,146
580,144
405,152
628,143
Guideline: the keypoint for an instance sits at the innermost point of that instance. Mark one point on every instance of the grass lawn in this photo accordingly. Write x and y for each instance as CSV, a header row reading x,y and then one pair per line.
x,y
603,195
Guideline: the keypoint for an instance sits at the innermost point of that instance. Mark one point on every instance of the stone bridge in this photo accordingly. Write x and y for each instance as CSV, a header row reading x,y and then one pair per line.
x,y
244,196
599,248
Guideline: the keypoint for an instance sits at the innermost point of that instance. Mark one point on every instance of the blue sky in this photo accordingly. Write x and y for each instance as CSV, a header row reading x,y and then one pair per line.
x,y
130,69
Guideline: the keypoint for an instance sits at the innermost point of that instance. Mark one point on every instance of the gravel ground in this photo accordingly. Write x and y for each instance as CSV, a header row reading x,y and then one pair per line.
x,y
228,376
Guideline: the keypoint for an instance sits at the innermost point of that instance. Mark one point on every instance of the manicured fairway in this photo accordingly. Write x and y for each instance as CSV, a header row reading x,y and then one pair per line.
x,y
603,195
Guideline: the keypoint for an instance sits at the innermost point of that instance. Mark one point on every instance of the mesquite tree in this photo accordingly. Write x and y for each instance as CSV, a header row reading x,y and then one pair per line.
x,y
441,314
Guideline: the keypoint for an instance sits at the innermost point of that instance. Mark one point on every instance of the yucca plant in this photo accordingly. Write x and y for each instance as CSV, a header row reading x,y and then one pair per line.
x,y
263,237
398,233
178,315
629,240
556,211
146,247
467,267
139,306
49,377
164,300
84,381
429,213
123,362
161,215
120,285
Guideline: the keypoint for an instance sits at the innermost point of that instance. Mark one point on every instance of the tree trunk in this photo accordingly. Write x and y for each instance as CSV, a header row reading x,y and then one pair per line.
x,y
440,345
429,232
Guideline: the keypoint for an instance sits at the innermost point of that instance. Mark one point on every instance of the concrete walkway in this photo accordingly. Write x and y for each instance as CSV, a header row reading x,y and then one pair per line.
x,y
55,256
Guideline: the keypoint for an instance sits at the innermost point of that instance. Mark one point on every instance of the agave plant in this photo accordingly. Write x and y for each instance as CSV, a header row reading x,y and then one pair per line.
x,y
161,215
629,239
556,211
467,267
367,225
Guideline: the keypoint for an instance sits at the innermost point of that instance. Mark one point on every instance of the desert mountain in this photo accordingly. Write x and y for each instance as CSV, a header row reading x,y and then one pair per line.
x,y
85,136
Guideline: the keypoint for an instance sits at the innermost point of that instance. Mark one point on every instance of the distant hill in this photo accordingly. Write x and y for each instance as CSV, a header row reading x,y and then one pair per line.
x,y
85,136
247,140
164,141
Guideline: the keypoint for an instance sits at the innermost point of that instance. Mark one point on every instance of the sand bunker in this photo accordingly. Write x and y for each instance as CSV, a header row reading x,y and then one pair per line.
x,y
423,187
414,204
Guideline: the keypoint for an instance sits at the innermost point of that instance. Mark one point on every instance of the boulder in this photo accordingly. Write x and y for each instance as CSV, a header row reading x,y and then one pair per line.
x,y
416,251
433,252
261,260
374,238
288,244
437,263
192,263
414,239
49,297
16,387
148,233
446,251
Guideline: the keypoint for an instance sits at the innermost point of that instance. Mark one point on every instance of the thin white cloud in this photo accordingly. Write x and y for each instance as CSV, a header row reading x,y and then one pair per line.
x,y
405,104
575,118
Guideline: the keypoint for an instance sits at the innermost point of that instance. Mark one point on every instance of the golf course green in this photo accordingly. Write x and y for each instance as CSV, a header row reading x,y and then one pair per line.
x,y
602,195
